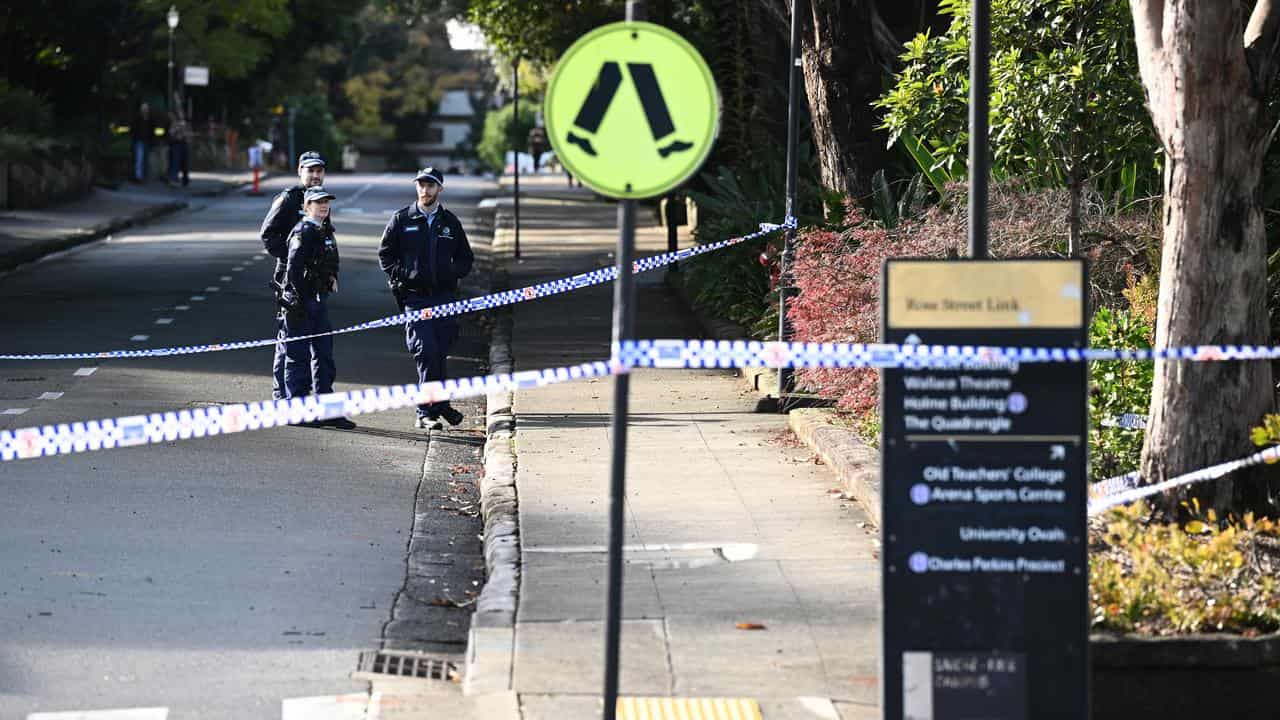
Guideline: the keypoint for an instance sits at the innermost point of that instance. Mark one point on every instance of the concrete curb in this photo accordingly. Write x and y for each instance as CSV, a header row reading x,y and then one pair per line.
x,y
855,464
490,654
40,248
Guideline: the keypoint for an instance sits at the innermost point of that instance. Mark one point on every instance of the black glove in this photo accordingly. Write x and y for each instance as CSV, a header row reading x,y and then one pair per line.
x,y
289,300
398,291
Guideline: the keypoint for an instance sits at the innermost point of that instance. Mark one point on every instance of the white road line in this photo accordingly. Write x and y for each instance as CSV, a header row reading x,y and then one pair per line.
x,y
50,396
238,268
367,187
328,707
155,713
212,289
85,371
14,411
181,308
225,278
197,298
140,338
164,321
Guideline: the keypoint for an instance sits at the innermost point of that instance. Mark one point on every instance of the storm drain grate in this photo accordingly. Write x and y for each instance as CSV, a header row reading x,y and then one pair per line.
x,y
409,665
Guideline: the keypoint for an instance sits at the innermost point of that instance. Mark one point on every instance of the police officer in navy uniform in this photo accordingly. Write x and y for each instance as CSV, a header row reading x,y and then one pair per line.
x,y
284,214
424,253
311,274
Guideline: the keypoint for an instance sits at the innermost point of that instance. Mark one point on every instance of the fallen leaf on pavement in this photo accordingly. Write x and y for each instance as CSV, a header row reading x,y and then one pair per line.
x,y
749,626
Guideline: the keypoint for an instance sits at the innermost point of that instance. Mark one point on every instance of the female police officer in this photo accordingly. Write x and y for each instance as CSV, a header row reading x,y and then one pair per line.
x,y
311,274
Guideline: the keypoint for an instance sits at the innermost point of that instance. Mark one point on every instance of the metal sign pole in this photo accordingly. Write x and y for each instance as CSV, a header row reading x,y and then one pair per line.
x,y
979,103
515,143
793,120
623,329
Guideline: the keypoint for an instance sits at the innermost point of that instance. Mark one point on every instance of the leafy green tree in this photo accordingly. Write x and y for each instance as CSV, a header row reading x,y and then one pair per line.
x,y
540,30
499,135
1066,102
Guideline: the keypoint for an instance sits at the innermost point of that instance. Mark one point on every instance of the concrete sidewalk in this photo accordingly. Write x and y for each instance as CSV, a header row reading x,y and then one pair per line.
x,y
746,577
27,235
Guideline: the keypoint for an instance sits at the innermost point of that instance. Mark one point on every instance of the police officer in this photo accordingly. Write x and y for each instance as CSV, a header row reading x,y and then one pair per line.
x,y
311,274
276,227
424,253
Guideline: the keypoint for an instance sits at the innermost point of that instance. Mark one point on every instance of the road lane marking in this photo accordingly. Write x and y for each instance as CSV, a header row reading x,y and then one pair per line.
x,y
238,268
50,396
14,411
140,338
164,321
327,707
155,713
197,298
85,371
181,308
212,289
225,278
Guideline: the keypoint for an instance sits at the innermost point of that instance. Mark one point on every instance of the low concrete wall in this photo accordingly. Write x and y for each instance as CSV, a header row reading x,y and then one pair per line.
x,y
39,183
1190,677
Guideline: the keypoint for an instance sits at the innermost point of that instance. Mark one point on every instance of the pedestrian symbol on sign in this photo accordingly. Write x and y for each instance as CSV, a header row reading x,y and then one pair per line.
x,y
632,110
601,97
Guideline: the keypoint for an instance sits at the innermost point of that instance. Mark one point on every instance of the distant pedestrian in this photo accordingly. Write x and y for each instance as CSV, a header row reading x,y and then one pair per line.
x,y
424,253
141,132
311,275
179,143
285,212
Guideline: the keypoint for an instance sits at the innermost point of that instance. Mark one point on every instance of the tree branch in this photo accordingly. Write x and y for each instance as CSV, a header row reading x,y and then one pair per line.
x,y
1262,44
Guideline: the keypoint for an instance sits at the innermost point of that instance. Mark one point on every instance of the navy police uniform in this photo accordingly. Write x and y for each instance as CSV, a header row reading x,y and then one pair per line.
x,y
277,227
311,272
424,253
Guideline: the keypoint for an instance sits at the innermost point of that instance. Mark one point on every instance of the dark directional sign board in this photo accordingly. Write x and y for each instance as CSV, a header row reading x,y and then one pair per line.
x,y
983,491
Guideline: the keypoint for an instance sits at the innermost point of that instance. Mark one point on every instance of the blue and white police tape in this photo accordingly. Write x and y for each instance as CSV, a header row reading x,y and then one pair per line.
x,y
68,438
1114,485
1124,489
458,307
743,353
1127,421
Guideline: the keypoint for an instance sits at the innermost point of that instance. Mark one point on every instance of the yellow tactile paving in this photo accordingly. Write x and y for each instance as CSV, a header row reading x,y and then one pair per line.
x,y
674,708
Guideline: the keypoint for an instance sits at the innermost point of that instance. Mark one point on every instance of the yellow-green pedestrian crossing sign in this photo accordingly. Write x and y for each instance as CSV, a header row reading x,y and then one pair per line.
x,y
632,110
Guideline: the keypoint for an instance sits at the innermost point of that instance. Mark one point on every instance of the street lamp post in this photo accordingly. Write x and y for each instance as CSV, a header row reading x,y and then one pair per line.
x,y
172,19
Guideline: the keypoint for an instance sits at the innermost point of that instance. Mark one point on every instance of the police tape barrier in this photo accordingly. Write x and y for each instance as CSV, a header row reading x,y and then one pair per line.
x,y
743,353
68,438
1127,421
1135,492
457,307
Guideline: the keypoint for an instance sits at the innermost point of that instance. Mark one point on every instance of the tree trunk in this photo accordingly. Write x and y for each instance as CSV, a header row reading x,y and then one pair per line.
x,y
849,48
1205,94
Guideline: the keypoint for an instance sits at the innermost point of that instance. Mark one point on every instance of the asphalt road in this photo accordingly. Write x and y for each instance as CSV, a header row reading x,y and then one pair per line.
x,y
214,577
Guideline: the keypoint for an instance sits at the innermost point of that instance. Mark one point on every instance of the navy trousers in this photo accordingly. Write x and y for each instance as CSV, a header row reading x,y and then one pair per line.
x,y
308,364
429,341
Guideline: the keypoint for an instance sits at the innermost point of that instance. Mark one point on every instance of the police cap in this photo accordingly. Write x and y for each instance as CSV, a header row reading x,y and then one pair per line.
x,y
310,158
432,174
317,193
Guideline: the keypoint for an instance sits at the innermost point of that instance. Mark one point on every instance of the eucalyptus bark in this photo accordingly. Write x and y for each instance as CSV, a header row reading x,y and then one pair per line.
x,y
850,48
1206,78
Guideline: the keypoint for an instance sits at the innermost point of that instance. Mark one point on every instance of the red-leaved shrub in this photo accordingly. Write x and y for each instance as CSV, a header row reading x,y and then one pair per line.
x,y
838,276
837,271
